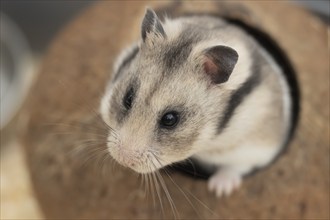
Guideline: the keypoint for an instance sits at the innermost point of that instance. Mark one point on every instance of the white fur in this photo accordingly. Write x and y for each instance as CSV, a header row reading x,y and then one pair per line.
x,y
284,88
172,28
242,68
246,143
124,53
105,106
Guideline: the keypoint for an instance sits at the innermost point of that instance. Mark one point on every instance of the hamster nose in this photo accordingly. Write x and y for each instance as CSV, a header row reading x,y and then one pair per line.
x,y
126,159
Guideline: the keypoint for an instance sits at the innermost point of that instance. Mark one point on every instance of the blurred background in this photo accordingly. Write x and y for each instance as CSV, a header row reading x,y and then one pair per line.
x,y
27,28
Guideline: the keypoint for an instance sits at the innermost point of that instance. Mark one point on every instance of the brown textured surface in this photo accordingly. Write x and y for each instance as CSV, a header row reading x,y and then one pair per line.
x,y
73,77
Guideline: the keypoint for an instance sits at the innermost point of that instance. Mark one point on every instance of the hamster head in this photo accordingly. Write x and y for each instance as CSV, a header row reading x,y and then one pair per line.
x,y
163,97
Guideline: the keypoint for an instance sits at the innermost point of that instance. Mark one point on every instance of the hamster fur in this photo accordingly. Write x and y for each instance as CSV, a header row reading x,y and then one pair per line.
x,y
228,99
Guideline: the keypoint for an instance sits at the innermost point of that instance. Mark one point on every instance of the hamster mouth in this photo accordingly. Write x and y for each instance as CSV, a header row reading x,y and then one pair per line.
x,y
145,166
142,168
140,162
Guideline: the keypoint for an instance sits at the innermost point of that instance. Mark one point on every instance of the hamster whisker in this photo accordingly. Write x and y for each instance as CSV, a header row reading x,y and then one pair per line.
x,y
105,124
81,98
79,125
163,185
152,187
183,192
142,182
105,127
95,133
167,193
156,157
92,128
188,160
115,136
95,156
90,132
145,182
92,140
111,130
156,185
78,148
191,194
73,133
92,154
105,163
87,147
192,164
146,185
112,164
162,182
104,154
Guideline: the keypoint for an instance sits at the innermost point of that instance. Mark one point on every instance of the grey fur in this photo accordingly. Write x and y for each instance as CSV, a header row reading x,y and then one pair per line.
x,y
117,106
167,74
150,24
178,52
170,137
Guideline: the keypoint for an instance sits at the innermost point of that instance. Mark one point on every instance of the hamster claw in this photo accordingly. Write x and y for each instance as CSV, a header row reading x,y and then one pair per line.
x,y
224,182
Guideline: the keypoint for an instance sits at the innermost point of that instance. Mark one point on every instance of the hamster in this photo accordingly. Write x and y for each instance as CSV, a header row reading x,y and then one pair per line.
x,y
196,87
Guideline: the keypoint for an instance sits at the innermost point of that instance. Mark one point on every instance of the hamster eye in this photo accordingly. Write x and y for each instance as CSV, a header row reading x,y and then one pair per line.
x,y
128,99
169,120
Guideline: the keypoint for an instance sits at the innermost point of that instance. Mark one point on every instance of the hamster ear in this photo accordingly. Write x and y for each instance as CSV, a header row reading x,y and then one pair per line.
x,y
151,24
219,63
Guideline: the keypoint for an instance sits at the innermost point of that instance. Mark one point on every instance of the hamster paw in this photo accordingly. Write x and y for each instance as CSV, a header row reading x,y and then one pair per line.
x,y
224,181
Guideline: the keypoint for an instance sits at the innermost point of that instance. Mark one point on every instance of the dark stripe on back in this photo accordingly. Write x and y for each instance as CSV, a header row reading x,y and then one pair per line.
x,y
239,95
126,61
280,57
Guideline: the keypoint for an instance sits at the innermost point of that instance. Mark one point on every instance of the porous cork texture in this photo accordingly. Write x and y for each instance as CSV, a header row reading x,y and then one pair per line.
x,y
72,80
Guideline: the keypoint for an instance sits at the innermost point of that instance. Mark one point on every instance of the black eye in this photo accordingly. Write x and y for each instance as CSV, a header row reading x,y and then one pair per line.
x,y
128,99
169,120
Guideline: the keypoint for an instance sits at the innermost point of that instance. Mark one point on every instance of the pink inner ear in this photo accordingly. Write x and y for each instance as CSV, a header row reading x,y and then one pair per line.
x,y
209,67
